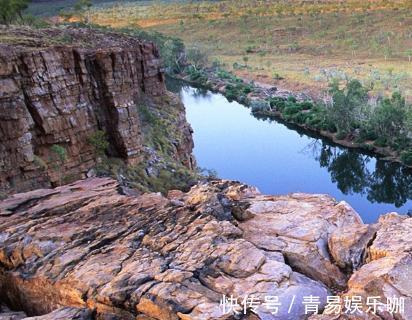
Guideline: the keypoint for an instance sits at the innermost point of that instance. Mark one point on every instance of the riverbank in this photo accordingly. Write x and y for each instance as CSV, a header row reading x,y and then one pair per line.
x,y
269,101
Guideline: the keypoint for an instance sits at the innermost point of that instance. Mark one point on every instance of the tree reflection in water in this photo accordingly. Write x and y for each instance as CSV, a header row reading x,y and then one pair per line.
x,y
354,172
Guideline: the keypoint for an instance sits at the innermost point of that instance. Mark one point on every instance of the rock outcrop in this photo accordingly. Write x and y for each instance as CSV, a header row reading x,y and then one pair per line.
x,y
59,86
86,246
66,313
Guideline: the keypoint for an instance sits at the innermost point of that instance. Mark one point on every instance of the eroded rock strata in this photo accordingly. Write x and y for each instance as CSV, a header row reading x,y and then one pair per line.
x,y
86,246
59,86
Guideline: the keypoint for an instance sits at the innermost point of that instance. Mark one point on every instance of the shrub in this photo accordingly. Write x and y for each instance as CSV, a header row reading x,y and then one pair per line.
x,y
98,140
60,152
301,117
11,9
381,142
292,99
306,105
259,106
278,103
406,157
368,134
196,57
197,75
40,162
238,91
389,118
292,108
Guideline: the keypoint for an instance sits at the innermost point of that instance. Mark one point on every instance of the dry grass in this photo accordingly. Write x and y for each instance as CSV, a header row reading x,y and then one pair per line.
x,y
305,42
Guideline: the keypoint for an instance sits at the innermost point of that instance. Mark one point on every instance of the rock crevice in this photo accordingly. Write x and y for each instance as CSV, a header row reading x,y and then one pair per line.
x,y
86,246
61,94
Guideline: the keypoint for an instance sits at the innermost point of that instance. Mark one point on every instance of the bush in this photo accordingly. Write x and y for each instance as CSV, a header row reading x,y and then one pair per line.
x,y
277,103
196,57
389,118
406,157
381,142
98,140
34,22
292,108
59,151
10,10
300,117
259,106
306,105
197,75
237,91
368,134
292,99
223,74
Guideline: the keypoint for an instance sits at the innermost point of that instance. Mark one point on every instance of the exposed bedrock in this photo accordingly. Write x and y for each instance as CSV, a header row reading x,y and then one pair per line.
x,y
59,86
86,246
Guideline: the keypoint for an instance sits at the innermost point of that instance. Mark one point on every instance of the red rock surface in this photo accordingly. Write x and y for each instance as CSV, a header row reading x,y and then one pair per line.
x,y
58,86
86,246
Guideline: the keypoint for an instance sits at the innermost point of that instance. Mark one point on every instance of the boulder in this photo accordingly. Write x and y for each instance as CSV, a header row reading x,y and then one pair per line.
x,y
219,251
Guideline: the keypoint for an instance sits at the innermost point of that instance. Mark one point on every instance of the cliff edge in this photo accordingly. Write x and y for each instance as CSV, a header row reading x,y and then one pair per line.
x,y
59,86
85,248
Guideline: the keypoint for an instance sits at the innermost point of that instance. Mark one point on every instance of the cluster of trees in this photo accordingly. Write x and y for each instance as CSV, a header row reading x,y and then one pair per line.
x,y
351,114
386,121
10,10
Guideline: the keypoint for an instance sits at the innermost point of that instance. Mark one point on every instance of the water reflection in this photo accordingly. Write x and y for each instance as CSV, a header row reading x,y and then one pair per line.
x,y
356,172
280,158
350,170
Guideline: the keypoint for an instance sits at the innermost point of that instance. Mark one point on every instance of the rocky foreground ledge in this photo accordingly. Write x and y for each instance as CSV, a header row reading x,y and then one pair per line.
x,y
85,251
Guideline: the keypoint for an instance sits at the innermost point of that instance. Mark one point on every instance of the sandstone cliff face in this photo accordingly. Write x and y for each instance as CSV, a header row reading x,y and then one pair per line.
x,y
58,86
86,247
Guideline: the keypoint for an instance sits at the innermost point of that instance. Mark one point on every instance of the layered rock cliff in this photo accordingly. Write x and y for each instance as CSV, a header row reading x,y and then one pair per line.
x,y
85,248
59,86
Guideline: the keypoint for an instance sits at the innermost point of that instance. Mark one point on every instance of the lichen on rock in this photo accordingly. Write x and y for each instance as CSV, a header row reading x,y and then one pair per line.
x,y
84,245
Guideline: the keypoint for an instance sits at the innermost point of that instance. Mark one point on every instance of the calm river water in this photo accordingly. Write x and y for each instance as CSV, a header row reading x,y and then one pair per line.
x,y
279,159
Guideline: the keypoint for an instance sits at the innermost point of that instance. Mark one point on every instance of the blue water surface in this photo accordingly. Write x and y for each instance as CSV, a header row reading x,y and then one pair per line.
x,y
279,159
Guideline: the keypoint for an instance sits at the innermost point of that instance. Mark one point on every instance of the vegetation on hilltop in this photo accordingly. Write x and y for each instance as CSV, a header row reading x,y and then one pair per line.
x,y
350,114
12,9
305,43
319,46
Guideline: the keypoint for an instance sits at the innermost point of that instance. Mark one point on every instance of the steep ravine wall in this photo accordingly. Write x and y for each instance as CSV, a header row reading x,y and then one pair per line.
x,y
58,87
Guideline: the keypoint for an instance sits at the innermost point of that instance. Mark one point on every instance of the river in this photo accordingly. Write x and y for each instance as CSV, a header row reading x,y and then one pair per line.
x,y
280,159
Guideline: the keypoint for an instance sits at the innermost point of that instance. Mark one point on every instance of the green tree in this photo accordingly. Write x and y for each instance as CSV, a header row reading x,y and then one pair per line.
x,y
347,104
11,9
389,119
82,7
196,57
173,54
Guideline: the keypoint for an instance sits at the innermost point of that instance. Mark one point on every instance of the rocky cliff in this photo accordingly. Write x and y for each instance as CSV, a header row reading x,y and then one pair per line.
x,y
86,250
59,86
